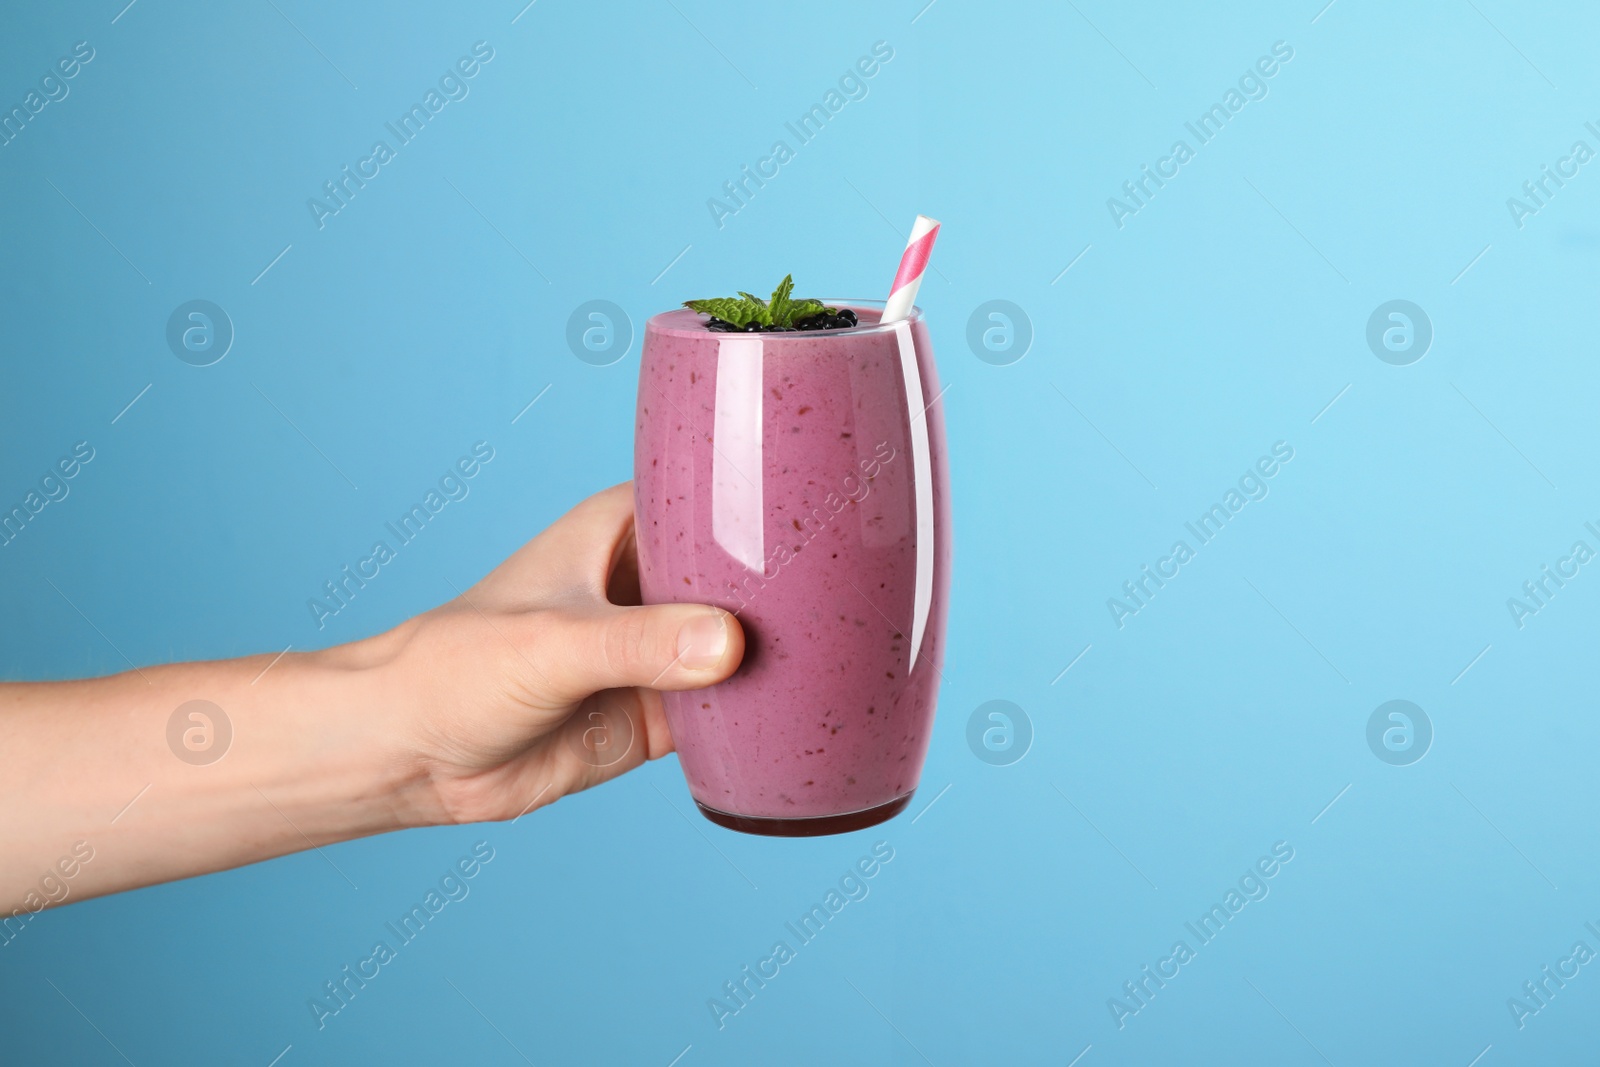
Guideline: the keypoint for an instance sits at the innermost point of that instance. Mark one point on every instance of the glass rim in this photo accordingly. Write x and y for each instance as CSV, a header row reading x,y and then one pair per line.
x,y
654,324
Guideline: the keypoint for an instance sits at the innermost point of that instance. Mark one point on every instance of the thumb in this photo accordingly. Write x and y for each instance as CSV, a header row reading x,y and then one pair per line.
x,y
660,646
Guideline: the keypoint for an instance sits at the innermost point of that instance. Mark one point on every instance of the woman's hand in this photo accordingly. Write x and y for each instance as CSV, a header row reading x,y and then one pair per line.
x,y
542,679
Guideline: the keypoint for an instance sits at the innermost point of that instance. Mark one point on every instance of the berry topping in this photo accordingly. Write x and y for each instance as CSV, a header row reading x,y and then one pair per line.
x,y
781,314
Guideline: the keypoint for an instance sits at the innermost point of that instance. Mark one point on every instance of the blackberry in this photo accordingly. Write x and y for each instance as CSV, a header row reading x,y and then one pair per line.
x,y
827,321
831,319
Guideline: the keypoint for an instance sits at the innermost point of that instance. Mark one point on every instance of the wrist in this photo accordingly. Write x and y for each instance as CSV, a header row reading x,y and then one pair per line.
x,y
363,701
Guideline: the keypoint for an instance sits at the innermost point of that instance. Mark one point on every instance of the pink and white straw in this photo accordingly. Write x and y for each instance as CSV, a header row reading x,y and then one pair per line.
x,y
913,263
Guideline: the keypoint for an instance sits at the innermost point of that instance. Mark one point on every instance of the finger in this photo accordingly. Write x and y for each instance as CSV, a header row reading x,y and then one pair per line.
x,y
611,733
662,646
622,585
577,552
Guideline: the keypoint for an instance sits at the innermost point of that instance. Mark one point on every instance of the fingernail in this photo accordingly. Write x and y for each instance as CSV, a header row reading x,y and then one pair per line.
x,y
702,642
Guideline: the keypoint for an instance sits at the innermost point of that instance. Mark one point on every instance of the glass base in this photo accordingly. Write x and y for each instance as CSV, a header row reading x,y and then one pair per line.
x,y
814,826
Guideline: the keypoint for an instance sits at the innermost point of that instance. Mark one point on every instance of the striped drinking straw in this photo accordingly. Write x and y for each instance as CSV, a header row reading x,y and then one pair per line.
x,y
915,260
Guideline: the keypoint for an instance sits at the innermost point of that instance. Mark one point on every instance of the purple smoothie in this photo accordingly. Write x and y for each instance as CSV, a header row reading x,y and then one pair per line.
x,y
799,481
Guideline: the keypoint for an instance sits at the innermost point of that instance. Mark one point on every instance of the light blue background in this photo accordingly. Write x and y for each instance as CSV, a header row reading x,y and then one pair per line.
x,y
1223,317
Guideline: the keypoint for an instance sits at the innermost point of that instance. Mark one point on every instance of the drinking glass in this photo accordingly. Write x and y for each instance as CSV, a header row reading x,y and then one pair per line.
x,y
798,480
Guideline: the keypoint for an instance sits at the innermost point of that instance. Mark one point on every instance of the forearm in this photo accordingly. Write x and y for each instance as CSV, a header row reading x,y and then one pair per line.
x,y
314,757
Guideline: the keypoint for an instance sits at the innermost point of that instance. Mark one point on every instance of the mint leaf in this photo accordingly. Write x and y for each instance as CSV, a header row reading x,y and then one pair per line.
x,y
760,312
739,312
781,311
780,304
